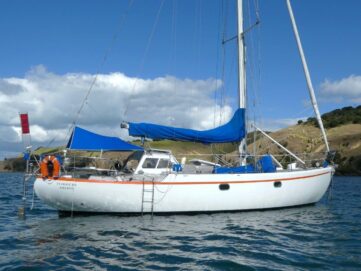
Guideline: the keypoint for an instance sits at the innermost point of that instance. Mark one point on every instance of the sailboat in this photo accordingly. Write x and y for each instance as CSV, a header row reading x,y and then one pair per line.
x,y
154,181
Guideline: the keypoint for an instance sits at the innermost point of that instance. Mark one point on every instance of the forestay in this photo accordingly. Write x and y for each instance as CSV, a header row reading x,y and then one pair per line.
x,y
232,131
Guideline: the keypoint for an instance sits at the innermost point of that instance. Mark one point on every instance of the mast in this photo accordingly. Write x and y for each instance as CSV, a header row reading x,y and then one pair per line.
x,y
307,75
241,75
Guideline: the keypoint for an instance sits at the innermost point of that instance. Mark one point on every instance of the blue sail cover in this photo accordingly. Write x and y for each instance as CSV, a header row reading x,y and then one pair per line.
x,y
82,139
232,131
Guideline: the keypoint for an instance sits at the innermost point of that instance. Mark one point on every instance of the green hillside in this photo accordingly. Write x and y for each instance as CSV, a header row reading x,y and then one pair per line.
x,y
338,117
343,130
306,140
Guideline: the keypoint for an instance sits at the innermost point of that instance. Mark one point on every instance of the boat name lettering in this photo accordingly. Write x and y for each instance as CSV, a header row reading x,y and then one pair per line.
x,y
67,186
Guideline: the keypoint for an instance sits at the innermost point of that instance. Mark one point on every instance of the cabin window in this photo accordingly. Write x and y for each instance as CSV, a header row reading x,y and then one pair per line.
x,y
164,163
224,186
131,163
150,163
277,184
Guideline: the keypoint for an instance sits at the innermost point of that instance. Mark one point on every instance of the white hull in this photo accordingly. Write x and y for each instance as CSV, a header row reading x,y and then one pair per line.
x,y
187,192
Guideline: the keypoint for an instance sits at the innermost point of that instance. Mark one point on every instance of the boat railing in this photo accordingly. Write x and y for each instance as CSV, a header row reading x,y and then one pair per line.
x,y
91,165
80,165
310,160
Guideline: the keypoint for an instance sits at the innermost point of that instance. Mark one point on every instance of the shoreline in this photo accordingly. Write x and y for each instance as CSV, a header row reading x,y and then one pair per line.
x,y
2,170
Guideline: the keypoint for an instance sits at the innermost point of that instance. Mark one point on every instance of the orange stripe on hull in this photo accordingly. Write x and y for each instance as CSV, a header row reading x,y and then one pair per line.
x,y
185,183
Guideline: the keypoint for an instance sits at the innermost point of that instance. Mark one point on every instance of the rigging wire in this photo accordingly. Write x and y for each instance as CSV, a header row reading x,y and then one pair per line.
x,y
141,66
174,34
174,44
197,34
100,67
220,17
217,87
252,85
308,110
199,45
223,89
258,54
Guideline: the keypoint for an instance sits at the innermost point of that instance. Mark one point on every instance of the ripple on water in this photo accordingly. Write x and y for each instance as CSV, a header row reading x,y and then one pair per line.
x,y
325,236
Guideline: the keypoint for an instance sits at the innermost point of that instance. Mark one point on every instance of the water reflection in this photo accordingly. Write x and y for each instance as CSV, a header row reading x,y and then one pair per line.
x,y
173,241
325,236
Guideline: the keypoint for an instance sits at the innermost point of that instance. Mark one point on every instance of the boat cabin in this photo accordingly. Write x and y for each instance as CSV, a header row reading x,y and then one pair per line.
x,y
155,161
150,162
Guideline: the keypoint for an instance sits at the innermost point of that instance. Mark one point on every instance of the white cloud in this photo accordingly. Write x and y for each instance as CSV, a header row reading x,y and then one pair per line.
x,y
52,101
347,89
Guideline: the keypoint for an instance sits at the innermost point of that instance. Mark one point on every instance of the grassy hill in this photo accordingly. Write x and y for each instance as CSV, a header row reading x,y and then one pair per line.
x,y
338,117
306,138
3,166
343,130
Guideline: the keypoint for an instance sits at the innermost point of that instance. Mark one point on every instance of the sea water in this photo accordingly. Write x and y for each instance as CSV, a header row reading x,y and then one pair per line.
x,y
324,236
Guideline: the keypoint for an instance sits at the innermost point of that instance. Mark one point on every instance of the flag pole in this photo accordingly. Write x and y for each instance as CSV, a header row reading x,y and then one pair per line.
x,y
25,135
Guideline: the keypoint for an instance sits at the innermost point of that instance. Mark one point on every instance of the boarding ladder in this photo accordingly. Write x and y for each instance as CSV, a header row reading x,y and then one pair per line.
x,y
148,197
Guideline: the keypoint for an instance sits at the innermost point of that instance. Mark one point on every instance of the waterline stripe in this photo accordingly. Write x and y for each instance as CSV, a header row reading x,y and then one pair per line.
x,y
184,183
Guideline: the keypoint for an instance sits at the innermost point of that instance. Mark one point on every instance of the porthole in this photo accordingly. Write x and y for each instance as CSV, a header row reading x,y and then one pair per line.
x,y
224,186
277,184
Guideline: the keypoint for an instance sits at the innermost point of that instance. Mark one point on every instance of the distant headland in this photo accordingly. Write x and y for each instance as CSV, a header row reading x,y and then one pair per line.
x,y
343,129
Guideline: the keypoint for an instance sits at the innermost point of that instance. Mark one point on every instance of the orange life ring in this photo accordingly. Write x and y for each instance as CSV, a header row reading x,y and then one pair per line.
x,y
50,167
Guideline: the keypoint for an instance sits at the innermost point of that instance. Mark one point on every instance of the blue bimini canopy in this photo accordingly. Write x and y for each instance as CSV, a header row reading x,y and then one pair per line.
x,y
82,139
232,131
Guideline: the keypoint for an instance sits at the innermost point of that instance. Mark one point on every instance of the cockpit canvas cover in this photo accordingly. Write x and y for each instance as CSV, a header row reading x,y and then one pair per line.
x,y
82,139
233,131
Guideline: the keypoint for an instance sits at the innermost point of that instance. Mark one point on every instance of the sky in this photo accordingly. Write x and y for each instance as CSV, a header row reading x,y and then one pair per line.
x,y
164,62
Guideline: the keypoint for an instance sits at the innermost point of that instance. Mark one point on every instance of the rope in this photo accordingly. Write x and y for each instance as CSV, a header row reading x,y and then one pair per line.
x,y
32,201
141,66
220,17
173,56
223,90
221,58
330,189
107,52
100,67
199,35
